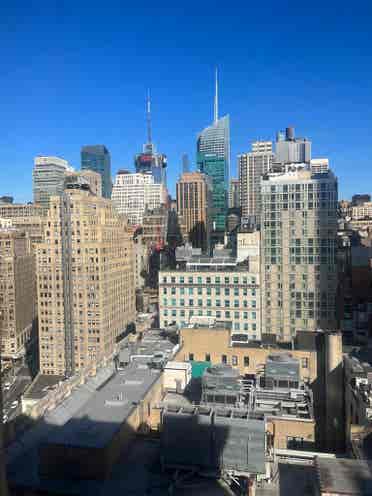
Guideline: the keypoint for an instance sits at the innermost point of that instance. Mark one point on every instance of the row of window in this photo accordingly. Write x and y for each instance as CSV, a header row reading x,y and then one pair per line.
x,y
208,291
209,280
208,303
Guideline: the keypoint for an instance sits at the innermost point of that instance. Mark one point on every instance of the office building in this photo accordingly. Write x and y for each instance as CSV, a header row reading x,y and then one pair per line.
x,y
319,165
298,236
234,193
28,217
362,211
134,193
155,227
185,163
89,177
86,287
211,287
357,200
252,166
149,161
194,205
17,294
5,200
97,158
213,159
291,150
48,178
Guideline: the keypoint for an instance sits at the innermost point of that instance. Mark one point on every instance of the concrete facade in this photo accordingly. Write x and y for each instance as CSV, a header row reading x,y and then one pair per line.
x,y
298,242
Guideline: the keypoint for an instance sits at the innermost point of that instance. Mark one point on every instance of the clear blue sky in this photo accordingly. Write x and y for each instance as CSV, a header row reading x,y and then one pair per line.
x,y
74,73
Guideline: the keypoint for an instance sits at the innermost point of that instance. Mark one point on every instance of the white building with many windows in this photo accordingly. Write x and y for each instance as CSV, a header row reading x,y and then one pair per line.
x,y
211,287
134,193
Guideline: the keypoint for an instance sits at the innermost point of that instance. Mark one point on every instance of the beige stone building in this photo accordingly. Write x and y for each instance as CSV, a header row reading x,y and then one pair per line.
x,y
86,288
298,246
17,293
27,217
362,211
212,288
194,203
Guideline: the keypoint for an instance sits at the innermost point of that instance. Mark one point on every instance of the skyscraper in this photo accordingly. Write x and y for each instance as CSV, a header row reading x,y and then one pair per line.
x,y
134,193
97,158
252,166
213,159
48,178
149,160
86,290
185,163
290,150
298,233
194,202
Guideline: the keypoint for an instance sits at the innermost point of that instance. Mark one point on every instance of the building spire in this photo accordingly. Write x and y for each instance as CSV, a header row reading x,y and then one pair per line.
x,y
216,98
148,117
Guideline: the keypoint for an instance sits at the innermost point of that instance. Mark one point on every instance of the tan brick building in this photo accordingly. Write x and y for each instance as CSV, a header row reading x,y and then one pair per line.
x,y
194,203
27,217
86,289
17,293
215,344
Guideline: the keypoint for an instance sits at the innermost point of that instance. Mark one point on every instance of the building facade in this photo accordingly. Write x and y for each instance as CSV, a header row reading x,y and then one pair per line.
x,y
252,166
291,150
234,193
298,236
218,289
86,287
133,194
91,178
17,293
26,217
97,158
362,211
194,204
48,178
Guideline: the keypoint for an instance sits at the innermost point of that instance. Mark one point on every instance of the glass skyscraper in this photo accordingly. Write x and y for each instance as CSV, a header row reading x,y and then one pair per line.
x,y
97,158
213,159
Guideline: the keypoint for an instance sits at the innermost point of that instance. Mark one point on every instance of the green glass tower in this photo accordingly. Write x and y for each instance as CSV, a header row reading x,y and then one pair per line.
x,y
213,159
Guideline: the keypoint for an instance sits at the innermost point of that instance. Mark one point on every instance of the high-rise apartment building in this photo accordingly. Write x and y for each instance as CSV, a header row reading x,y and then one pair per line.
x,y
194,203
48,178
17,293
298,235
149,161
134,193
252,166
234,193
291,150
86,287
97,158
213,159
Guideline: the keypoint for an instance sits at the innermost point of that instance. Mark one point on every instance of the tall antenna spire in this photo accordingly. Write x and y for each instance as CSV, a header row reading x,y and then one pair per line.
x,y
216,98
148,117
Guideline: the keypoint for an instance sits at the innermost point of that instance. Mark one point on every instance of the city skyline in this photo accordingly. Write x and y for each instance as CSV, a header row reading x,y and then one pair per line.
x,y
65,103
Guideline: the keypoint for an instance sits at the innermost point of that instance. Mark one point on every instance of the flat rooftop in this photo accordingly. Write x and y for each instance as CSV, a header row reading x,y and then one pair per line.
x,y
97,421
344,476
42,385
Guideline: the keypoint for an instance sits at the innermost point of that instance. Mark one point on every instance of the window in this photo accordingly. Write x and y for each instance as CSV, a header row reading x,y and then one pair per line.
x,y
174,313
224,359
173,291
246,327
191,357
234,360
236,315
200,303
218,291
209,303
164,290
182,291
245,315
209,291
182,302
200,291
227,280
305,363
218,280
218,314
191,291
236,303
246,361
227,303
173,280
165,313
190,280
200,280
295,442
207,357
173,300
208,280
227,292
182,280
236,291
191,303
236,326
236,280
227,314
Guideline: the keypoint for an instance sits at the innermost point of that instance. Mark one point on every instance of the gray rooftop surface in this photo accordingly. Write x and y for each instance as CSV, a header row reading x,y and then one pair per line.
x,y
42,385
344,476
102,415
